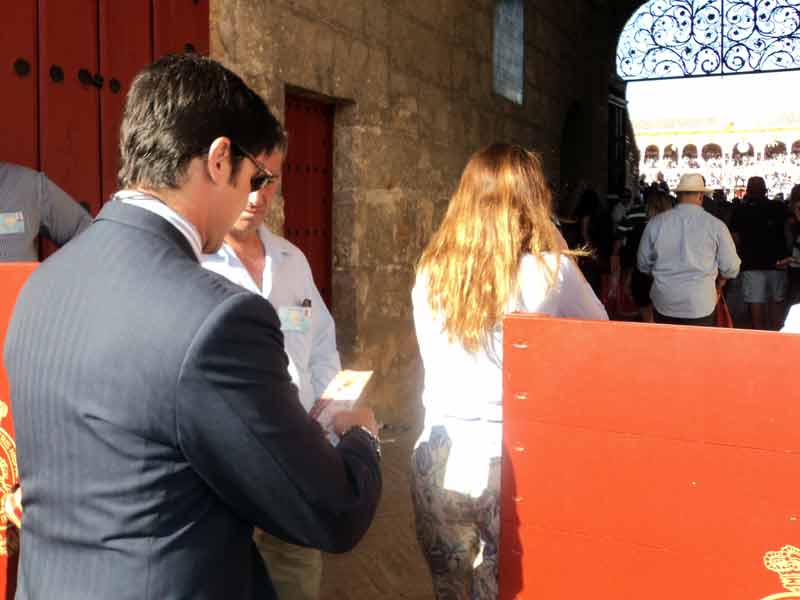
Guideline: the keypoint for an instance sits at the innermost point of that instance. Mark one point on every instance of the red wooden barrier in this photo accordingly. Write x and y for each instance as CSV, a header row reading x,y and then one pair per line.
x,y
645,461
12,276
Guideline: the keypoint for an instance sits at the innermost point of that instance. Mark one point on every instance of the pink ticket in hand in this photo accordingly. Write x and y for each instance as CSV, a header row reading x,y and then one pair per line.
x,y
341,394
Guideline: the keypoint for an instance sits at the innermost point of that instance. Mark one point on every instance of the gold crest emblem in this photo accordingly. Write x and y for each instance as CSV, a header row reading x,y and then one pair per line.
x,y
786,563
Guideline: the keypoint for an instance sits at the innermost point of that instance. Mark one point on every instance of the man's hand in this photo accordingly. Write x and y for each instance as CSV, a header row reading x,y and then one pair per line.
x,y
358,417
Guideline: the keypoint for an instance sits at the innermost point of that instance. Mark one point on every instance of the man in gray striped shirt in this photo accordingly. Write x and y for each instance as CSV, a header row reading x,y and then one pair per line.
x,y
686,249
30,203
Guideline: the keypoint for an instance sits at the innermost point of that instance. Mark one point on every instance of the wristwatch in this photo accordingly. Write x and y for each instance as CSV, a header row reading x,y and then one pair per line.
x,y
373,439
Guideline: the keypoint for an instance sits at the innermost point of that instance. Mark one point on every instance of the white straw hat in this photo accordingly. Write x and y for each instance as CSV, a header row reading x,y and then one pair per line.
x,y
692,182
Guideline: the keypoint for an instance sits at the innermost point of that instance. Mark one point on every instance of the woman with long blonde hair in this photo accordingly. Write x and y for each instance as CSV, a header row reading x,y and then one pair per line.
x,y
496,251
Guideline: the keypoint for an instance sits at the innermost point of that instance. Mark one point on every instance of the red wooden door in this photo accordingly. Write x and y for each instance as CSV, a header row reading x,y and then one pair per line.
x,y
69,121
180,26
126,45
308,185
18,70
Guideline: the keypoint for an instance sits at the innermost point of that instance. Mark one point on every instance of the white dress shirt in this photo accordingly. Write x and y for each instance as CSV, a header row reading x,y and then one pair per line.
x,y
463,391
286,283
684,249
156,206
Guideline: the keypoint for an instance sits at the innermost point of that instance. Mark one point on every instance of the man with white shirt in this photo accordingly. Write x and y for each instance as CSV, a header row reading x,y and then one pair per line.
x,y
269,265
689,253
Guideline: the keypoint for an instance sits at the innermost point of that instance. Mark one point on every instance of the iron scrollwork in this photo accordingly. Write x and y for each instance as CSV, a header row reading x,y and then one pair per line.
x,y
685,38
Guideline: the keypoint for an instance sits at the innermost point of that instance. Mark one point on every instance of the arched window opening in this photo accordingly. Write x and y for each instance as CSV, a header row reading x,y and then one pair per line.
x,y
671,155
689,156
743,153
651,155
712,152
690,38
775,151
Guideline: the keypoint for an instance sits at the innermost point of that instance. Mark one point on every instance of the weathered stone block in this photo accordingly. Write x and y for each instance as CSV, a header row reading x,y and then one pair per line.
x,y
386,239
376,21
347,230
311,66
346,13
403,115
462,23
350,56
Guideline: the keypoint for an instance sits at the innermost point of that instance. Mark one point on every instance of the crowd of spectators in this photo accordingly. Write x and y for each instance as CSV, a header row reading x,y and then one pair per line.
x,y
765,228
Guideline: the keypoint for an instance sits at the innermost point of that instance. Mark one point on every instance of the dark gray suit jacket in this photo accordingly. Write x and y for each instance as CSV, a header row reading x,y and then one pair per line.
x,y
156,425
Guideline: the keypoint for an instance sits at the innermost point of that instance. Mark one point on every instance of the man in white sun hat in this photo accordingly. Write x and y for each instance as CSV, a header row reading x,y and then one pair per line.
x,y
690,253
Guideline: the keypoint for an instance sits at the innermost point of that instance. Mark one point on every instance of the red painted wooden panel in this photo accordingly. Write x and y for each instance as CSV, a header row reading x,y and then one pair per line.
x,y
180,26
126,45
69,110
18,117
646,461
12,277
308,185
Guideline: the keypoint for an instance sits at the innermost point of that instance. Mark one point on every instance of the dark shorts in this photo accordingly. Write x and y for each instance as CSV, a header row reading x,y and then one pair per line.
x,y
640,288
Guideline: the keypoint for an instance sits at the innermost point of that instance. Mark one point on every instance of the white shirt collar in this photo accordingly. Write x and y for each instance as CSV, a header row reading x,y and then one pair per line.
x,y
156,206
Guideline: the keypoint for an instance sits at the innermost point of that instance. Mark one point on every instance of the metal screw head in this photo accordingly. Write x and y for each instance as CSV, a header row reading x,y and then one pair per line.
x,y
22,67
56,73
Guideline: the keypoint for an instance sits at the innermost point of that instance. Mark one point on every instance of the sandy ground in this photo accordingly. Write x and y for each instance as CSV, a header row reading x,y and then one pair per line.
x,y
387,564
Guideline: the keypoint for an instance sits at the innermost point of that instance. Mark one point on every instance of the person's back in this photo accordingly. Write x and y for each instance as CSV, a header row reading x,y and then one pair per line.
x,y
685,249
84,516
496,251
759,225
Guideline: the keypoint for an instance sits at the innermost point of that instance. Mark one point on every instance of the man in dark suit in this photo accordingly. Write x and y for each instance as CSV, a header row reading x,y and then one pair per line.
x,y
156,422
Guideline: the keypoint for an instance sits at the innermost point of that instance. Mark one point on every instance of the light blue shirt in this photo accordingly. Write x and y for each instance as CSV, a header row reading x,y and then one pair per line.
x,y
29,202
286,283
684,249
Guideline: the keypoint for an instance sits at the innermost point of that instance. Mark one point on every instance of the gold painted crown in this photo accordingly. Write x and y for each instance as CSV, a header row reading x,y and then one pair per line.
x,y
786,563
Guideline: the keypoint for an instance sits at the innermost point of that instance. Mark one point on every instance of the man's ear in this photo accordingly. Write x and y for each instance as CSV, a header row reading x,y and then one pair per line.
x,y
219,162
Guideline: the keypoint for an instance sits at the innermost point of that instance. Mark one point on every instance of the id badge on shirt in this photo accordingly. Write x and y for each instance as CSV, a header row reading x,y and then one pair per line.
x,y
295,318
12,222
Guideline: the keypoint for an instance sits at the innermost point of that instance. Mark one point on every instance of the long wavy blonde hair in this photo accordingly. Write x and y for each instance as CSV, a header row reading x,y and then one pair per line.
x,y
501,210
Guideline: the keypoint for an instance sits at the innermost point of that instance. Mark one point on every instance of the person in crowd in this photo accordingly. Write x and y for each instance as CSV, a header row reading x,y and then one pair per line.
x,y
621,208
267,264
161,389
627,233
660,183
496,251
627,245
689,253
792,240
31,204
718,205
595,226
758,228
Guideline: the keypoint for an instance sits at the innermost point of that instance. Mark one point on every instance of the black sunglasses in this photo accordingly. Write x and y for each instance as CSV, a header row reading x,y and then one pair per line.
x,y
263,177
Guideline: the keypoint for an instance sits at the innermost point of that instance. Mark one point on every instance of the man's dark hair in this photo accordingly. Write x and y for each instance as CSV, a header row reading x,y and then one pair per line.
x,y
756,188
177,107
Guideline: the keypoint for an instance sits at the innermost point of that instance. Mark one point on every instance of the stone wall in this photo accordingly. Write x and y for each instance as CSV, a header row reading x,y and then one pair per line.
x,y
413,84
